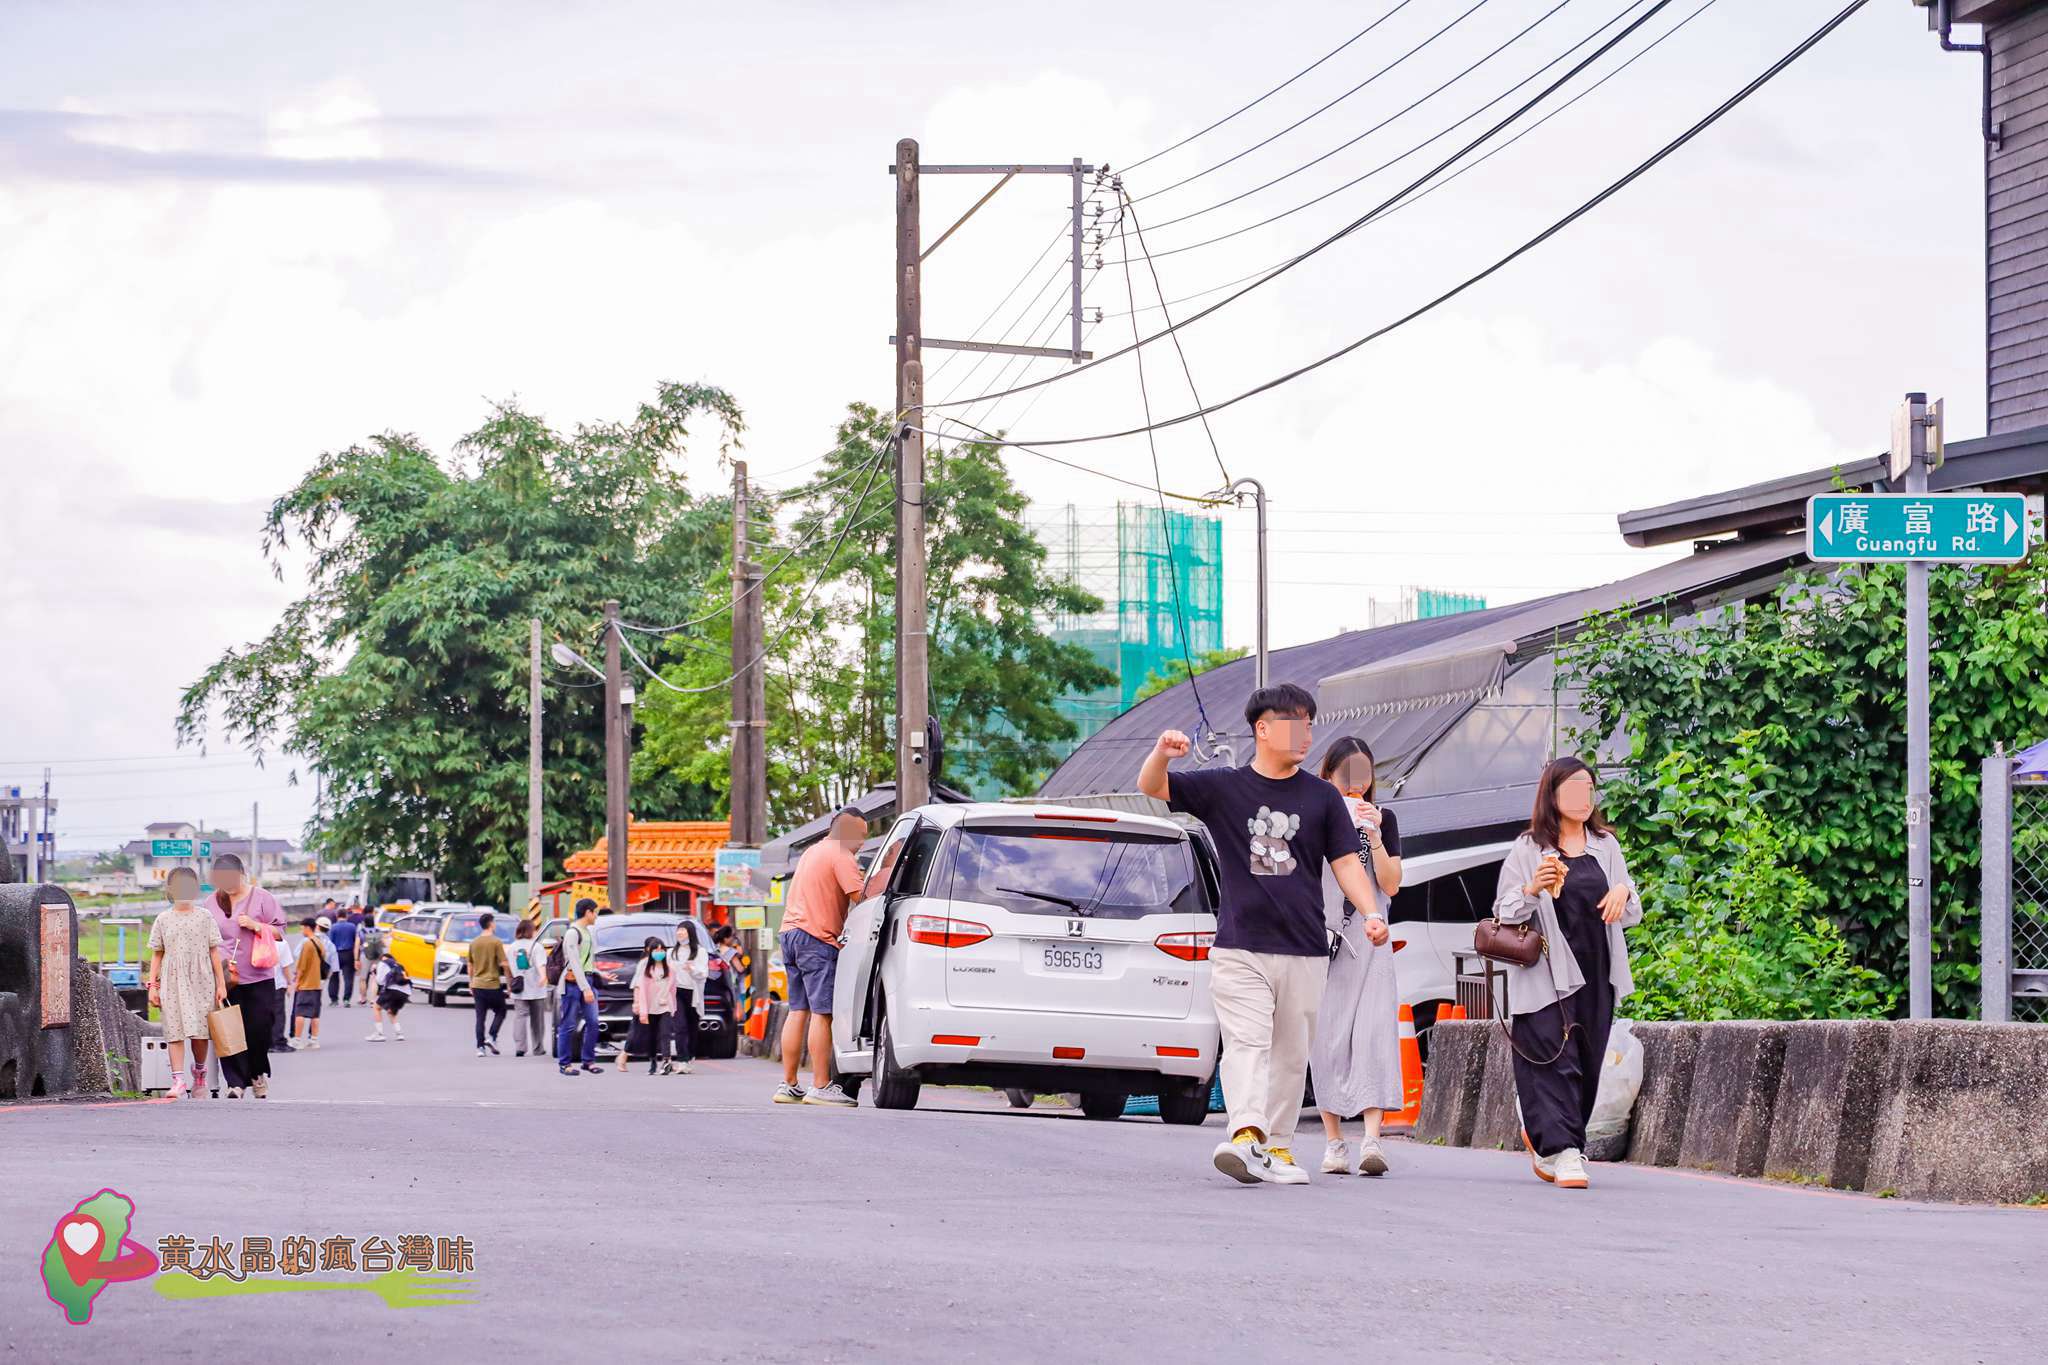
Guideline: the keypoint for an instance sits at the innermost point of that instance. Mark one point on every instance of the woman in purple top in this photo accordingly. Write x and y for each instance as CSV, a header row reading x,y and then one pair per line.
x,y
246,914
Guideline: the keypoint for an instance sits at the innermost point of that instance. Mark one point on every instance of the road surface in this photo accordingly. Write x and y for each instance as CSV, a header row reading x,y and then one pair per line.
x,y
631,1217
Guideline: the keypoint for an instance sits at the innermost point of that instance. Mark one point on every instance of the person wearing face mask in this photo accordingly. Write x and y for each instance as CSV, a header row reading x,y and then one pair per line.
x,y
1355,1060
1275,828
1567,874
250,922
654,1009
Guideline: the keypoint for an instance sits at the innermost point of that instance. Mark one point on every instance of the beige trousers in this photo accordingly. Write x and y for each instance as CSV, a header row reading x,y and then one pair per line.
x,y
1266,1006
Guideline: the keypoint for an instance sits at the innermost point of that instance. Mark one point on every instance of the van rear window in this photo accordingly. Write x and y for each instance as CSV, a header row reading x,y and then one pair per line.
x,y
1073,872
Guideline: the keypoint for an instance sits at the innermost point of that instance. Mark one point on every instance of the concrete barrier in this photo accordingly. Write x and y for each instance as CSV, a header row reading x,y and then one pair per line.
x,y
1829,1101
106,1036
1451,1086
1735,1077
1965,1113
1657,1137
1921,1109
34,1060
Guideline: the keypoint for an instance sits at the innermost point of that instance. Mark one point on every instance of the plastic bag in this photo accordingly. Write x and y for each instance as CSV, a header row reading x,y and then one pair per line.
x,y
1621,1079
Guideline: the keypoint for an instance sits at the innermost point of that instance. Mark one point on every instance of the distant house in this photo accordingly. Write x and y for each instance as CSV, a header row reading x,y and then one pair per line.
x,y
272,859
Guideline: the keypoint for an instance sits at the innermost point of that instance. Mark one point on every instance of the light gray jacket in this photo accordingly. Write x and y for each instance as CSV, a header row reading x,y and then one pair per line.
x,y
1557,974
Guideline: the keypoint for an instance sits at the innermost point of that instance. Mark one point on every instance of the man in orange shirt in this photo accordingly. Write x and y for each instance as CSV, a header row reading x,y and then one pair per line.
x,y
826,880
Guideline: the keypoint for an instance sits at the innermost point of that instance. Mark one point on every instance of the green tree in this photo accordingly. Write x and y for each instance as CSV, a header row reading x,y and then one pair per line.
x,y
1176,671
830,611
1817,673
1736,930
401,674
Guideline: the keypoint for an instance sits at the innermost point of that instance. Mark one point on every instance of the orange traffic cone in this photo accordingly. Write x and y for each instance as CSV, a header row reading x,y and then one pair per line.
x,y
1411,1076
1450,1012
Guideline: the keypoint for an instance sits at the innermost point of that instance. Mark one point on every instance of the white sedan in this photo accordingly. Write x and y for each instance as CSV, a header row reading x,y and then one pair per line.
x,y
1041,947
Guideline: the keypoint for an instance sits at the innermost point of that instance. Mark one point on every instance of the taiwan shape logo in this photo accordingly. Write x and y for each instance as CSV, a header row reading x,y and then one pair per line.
x,y
89,1249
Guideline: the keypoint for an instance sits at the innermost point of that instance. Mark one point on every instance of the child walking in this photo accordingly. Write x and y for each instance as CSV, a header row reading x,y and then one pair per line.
x,y
185,978
394,993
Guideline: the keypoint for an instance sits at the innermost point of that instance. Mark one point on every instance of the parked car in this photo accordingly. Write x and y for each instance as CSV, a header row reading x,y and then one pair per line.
x,y
414,938
451,950
621,939
1045,948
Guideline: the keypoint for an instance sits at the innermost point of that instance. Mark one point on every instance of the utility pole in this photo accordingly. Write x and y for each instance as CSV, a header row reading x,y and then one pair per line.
x,y
255,844
46,851
749,797
913,675
616,767
533,770
319,821
1909,441
1258,491
913,680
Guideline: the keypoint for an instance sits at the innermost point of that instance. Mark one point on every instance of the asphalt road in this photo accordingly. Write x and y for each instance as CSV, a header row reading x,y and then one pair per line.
x,y
631,1217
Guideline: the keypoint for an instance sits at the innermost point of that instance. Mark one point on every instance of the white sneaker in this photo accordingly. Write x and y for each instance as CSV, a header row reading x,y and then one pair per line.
x,y
789,1094
314,1044
1371,1160
1544,1166
481,1053
683,1068
376,1037
1571,1169
1243,1159
831,1094
1336,1158
1285,1172
398,1035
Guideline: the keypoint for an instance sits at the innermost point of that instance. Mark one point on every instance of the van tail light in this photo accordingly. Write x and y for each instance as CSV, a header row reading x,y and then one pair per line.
x,y
1070,1054
1178,1051
1188,947
940,932
956,1040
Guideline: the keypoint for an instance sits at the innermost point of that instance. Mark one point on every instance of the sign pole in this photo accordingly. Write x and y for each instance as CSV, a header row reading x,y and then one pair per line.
x,y
1919,803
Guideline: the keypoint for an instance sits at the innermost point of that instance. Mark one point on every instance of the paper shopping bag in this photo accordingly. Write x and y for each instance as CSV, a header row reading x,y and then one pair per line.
x,y
224,1026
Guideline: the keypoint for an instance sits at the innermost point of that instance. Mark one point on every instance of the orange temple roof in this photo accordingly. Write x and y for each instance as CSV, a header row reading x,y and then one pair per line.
x,y
661,846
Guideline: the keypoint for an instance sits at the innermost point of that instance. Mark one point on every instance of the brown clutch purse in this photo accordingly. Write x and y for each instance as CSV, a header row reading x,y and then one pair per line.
x,y
1518,944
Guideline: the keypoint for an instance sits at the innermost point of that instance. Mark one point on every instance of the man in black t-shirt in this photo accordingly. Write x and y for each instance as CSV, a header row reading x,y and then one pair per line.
x,y
1275,827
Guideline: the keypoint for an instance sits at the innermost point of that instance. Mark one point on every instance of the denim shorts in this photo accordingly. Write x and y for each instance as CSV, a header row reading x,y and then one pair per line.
x,y
809,963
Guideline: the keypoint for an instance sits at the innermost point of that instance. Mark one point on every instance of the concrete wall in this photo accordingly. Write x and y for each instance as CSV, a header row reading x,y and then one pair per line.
x,y
99,1051
1922,1110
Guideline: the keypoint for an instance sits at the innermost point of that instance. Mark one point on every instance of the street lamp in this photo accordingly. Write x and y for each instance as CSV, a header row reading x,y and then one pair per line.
x,y
569,658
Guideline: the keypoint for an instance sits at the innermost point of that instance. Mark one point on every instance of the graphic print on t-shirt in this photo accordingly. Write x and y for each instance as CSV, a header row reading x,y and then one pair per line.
x,y
1270,831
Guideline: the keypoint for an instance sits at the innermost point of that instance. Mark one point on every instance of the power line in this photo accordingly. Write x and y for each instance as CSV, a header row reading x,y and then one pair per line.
x,y
1352,226
1644,51
1180,619
1560,225
1190,179
985,436
1245,108
1392,161
759,582
1160,291
846,528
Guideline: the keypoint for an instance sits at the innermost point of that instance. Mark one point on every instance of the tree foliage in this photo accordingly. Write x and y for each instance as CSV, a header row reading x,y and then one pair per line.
x,y
996,672
1176,671
1735,929
401,673
1812,683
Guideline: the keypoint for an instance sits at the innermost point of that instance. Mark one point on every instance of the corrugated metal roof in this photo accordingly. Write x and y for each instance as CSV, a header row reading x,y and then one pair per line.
x,y
1108,760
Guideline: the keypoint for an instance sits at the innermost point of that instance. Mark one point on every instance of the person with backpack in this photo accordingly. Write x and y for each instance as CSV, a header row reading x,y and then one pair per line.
x,y
393,993
529,989
308,971
341,982
569,969
369,951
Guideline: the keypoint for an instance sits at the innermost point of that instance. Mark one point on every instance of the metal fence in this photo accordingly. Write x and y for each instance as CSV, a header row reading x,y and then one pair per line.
x,y
2015,895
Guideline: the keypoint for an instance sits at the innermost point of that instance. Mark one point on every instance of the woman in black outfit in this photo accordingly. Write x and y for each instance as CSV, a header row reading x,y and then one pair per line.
x,y
1567,873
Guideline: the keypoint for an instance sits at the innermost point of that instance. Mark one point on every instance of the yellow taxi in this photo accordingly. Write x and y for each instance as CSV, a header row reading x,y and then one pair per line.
x,y
413,938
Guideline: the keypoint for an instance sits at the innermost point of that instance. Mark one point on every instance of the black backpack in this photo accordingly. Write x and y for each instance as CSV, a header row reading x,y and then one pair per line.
x,y
558,959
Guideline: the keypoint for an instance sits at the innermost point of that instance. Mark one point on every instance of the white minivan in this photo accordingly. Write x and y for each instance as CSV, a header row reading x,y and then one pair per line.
x,y
1045,948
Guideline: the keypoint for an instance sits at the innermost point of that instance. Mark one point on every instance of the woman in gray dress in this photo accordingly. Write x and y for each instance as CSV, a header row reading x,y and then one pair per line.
x,y
1355,1061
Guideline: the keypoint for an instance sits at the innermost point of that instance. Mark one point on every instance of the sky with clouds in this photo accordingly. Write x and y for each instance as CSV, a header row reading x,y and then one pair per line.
x,y
233,236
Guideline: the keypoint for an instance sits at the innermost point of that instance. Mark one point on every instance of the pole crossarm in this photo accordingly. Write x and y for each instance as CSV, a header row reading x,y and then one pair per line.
x,y
1067,169
1002,348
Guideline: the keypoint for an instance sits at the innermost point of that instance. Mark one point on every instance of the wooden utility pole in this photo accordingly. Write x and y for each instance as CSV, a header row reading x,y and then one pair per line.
x,y
616,764
913,681
533,767
749,798
255,843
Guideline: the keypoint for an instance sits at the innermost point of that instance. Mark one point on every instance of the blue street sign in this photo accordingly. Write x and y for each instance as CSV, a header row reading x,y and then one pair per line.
x,y
1966,528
